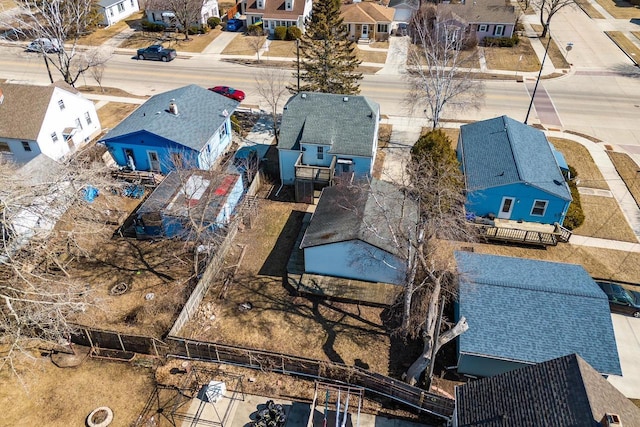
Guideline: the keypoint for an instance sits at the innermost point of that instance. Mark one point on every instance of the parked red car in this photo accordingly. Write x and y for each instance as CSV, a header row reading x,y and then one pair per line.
x,y
229,92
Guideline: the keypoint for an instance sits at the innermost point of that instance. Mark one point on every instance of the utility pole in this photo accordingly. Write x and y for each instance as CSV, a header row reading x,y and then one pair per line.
x,y
533,95
298,61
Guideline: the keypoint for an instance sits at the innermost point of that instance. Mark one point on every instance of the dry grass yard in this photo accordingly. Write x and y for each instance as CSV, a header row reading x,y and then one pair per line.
x,y
113,113
519,58
196,42
578,156
628,170
555,54
45,395
282,322
99,36
620,9
371,56
604,219
242,45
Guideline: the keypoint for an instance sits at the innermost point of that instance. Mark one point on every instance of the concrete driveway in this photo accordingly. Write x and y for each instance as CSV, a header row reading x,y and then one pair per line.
x,y
627,331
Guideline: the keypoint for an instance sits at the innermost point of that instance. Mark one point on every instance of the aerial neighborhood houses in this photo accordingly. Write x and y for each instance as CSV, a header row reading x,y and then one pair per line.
x,y
367,21
53,120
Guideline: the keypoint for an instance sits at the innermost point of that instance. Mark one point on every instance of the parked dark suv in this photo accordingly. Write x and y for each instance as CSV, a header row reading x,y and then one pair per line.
x,y
621,300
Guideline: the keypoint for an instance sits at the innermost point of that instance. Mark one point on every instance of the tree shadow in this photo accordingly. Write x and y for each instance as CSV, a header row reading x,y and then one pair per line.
x,y
276,262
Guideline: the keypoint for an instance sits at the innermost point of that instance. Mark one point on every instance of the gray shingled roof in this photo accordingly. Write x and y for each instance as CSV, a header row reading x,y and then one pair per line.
x,y
503,151
532,311
24,108
562,392
327,119
413,4
200,115
358,213
107,3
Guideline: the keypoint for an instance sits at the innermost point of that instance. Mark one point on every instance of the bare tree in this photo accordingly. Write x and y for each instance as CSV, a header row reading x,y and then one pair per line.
x,y
272,87
97,72
548,8
439,66
256,42
45,219
64,22
187,13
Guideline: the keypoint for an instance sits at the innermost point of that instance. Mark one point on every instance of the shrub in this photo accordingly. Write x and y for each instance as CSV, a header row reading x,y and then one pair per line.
x,y
254,30
502,41
294,33
280,33
198,29
434,144
575,215
235,124
152,27
213,22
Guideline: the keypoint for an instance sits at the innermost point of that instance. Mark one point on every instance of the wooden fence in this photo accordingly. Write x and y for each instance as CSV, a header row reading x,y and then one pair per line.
x,y
111,340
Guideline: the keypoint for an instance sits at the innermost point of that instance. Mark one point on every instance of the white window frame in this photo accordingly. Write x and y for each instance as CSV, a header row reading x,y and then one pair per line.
x,y
382,28
534,207
87,117
78,123
120,7
483,28
61,104
54,137
498,31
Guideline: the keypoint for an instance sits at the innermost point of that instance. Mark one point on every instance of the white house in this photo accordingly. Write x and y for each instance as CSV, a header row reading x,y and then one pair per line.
x,y
277,13
113,11
53,120
161,12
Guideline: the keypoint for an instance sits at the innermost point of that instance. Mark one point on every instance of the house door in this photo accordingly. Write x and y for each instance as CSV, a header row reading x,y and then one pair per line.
x,y
506,208
129,158
154,161
365,31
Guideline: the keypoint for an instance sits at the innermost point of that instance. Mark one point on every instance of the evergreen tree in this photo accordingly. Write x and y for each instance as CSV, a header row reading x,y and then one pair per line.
x,y
328,61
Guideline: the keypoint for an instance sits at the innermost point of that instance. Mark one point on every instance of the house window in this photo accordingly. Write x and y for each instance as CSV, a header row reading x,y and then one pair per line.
x,y
111,11
26,146
383,28
539,207
482,28
260,4
131,2
54,137
61,104
498,30
120,7
87,117
4,147
320,153
288,5
78,124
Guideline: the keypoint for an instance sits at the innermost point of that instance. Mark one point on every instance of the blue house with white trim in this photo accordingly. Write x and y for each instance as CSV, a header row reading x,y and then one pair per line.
x,y
511,172
324,135
189,127
524,311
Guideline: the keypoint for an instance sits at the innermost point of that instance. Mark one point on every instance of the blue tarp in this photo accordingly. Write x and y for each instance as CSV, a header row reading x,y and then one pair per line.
x,y
90,193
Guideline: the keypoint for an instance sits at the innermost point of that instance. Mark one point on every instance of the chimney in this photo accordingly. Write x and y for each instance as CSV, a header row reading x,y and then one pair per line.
x,y
173,107
611,420
345,99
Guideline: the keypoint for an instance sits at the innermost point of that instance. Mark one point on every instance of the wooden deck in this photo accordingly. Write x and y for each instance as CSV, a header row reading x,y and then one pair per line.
x,y
528,233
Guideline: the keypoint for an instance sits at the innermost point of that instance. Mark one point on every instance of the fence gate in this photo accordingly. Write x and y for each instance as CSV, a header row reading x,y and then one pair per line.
x,y
304,191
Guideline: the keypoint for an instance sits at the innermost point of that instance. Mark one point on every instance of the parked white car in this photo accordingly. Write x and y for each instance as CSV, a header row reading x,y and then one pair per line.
x,y
44,44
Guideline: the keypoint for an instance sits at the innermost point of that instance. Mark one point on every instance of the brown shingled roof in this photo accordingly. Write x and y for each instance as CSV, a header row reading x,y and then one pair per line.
x,y
366,12
23,109
275,9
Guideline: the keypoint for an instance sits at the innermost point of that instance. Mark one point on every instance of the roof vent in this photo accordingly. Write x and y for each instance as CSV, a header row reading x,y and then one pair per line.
x,y
173,107
611,420
345,99
303,96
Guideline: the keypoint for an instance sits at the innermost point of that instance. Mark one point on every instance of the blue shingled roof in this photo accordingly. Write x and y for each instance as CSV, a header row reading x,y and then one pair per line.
x,y
200,114
346,123
533,311
503,151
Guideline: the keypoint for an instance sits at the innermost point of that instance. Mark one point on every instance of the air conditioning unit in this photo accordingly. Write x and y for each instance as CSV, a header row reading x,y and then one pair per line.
x,y
611,420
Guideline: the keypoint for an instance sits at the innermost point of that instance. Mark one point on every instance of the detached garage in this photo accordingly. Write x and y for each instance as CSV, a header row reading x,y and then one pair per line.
x,y
523,311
